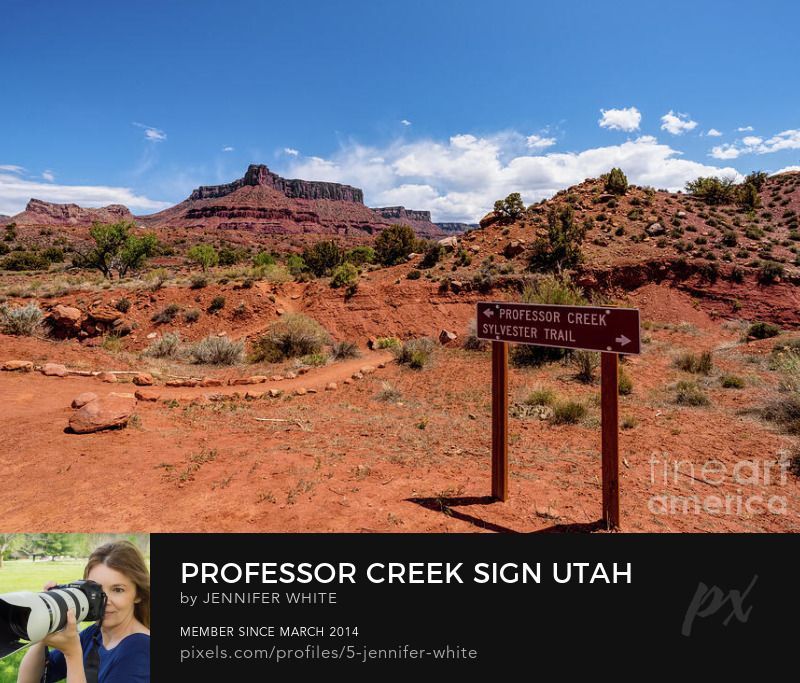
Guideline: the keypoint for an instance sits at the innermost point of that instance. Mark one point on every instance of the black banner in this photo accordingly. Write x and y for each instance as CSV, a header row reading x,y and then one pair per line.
x,y
242,606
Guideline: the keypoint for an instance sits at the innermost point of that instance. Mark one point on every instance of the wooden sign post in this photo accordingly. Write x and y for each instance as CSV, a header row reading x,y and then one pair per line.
x,y
610,331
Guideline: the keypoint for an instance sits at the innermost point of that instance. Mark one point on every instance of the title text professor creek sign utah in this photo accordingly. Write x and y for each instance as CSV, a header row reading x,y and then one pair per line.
x,y
592,328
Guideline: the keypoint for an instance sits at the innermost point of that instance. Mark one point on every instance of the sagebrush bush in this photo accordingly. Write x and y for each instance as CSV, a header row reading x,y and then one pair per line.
x,y
624,383
168,346
697,364
217,304
344,349
471,340
541,396
216,350
689,394
344,275
123,305
23,321
198,282
586,363
416,353
166,314
761,330
388,393
192,315
387,343
731,382
568,412
290,336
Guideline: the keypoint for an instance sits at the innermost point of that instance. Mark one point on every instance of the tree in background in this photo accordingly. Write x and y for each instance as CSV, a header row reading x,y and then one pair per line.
x,y
616,182
9,543
394,244
713,190
562,246
322,257
204,255
511,208
117,249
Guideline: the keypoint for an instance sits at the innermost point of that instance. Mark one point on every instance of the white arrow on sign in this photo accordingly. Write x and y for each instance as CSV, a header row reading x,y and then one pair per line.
x,y
622,340
488,312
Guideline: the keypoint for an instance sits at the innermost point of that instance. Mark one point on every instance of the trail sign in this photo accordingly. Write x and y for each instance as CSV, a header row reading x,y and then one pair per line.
x,y
592,328
612,331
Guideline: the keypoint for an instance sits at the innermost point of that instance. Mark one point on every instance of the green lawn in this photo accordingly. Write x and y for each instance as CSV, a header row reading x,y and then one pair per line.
x,y
24,575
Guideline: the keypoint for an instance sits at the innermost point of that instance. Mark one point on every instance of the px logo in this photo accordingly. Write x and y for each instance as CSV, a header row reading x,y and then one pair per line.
x,y
708,601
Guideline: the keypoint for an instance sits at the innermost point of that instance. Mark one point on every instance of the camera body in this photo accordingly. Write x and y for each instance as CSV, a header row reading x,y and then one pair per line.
x,y
34,616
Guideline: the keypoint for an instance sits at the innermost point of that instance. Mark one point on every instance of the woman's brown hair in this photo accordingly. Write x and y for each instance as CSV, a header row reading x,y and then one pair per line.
x,y
126,558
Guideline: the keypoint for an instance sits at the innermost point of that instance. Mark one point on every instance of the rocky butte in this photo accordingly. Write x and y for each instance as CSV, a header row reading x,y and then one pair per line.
x,y
38,212
265,203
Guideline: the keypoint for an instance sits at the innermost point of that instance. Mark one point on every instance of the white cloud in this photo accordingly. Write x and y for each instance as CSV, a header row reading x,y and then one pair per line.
x,y
227,149
152,133
676,123
620,119
713,133
786,169
405,122
745,129
753,144
460,178
725,152
290,151
11,168
539,142
48,176
15,193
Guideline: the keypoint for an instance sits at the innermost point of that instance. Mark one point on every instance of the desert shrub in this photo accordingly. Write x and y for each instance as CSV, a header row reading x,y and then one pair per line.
x,y
471,341
737,274
713,190
568,412
541,396
562,246
168,346
550,289
198,282
360,256
784,412
204,255
295,265
511,208
23,321
747,196
321,258
624,383
761,330
166,314
315,359
112,343
433,254
25,260
230,256
729,239
217,304
344,349
689,394
387,343
616,182
586,363
416,353
290,336
394,244
753,232
414,275
214,350
731,382
263,258
628,422
123,305
701,364
53,254
769,272
756,179
388,393
192,315
344,275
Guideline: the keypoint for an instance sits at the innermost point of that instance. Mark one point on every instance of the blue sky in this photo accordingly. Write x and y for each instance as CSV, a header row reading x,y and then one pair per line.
x,y
436,105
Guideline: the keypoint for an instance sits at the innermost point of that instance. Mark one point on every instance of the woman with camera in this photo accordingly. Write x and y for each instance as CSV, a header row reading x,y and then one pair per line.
x,y
115,649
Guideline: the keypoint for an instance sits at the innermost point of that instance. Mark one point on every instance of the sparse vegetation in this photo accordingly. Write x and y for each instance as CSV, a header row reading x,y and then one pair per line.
x,y
116,248
624,383
568,412
290,336
217,304
394,244
731,382
511,208
701,364
25,260
387,343
166,314
167,346
215,350
690,394
322,257
471,341
344,349
344,275
388,393
203,255
586,364
416,353
123,305
23,321
192,315
616,182
541,396
562,246
713,190
762,330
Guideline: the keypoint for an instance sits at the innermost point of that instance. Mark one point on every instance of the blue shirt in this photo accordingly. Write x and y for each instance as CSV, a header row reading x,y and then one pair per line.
x,y
128,662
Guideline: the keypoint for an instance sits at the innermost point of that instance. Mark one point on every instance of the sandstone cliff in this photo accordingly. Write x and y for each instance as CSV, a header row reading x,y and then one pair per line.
x,y
38,212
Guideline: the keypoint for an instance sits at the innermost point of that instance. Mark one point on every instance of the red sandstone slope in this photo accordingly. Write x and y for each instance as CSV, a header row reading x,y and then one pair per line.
x,y
264,203
41,213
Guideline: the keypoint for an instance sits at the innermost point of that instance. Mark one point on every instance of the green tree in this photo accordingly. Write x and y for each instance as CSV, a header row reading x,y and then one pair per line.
x,y
295,264
263,258
55,545
358,256
757,179
117,249
9,543
204,255
562,246
344,275
394,244
748,196
616,182
321,258
713,190
511,208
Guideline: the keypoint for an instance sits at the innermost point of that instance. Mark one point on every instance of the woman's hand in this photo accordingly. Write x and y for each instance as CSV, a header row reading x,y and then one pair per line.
x,y
67,639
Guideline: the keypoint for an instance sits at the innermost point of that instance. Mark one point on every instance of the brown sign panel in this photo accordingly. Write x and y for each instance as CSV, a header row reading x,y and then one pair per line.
x,y
592,328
